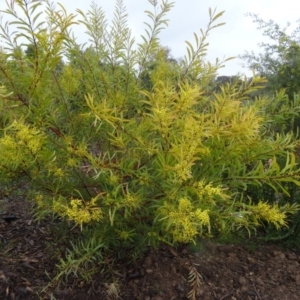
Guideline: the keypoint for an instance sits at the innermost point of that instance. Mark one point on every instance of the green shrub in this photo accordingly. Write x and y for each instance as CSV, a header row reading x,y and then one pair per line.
x,y
135,163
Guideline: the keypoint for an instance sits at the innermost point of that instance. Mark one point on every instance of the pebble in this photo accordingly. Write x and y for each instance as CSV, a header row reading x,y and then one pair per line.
x,y
242,280
149,271
259,281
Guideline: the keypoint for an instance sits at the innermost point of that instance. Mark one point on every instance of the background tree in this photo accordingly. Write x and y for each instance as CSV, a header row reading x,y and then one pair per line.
x,y
279,60
279,63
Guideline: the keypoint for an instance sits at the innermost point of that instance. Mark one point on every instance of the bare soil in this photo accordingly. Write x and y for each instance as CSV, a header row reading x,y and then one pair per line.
x,y
224,271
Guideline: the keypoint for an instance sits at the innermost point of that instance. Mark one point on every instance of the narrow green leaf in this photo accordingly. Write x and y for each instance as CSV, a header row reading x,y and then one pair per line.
x,y
220,14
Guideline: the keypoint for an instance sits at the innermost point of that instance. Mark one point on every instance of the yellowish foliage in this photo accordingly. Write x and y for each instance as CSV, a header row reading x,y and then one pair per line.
x,y
186,221
20,141
79,211
271,214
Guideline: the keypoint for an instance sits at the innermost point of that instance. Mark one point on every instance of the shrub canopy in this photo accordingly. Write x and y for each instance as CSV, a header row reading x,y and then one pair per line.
x,y
130,145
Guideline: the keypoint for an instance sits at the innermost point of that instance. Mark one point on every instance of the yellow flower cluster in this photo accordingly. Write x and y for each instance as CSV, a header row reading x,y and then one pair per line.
x,y
59,172
114,179
271,214
39,200
71,162
53,169
206,189
30,137
202,215
183,171
186,221
131,201
184,205
109,199
8,149
81,150
79,211
144,179
125,235
190,148
19,144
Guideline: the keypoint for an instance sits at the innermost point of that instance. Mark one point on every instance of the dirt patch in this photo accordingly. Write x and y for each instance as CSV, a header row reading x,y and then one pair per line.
x,y
223,271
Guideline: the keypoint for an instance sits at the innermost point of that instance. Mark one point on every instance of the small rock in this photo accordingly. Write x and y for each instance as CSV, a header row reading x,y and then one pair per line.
x,y
149,271
244,288
251,260
259,281
242,280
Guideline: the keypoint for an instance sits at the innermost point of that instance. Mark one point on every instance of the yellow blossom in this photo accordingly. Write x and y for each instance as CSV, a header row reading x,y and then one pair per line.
x,y
131,200
59,172
71,162
207,188
202,216
81,150
185,205
79,211
271,214
39,200
125,235
183,171
113,179
8,142
186,221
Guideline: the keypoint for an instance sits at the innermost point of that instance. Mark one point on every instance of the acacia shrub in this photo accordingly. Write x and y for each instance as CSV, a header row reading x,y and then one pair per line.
x,y
133,166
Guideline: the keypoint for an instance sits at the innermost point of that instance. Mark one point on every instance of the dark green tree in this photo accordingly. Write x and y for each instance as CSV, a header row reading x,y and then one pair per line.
x,y
279,60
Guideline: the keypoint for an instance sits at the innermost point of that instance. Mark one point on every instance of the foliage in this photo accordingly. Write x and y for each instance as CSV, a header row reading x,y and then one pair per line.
x,y
279,63
279,60
135,164
81,260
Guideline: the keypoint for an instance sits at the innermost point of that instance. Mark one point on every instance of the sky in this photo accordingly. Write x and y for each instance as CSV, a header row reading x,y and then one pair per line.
x,y
238,35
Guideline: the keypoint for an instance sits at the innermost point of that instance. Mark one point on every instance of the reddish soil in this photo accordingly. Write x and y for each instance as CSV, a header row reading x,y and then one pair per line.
x,y
225,272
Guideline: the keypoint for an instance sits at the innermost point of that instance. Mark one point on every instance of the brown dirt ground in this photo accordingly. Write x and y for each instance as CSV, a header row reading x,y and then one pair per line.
x,y
225,272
